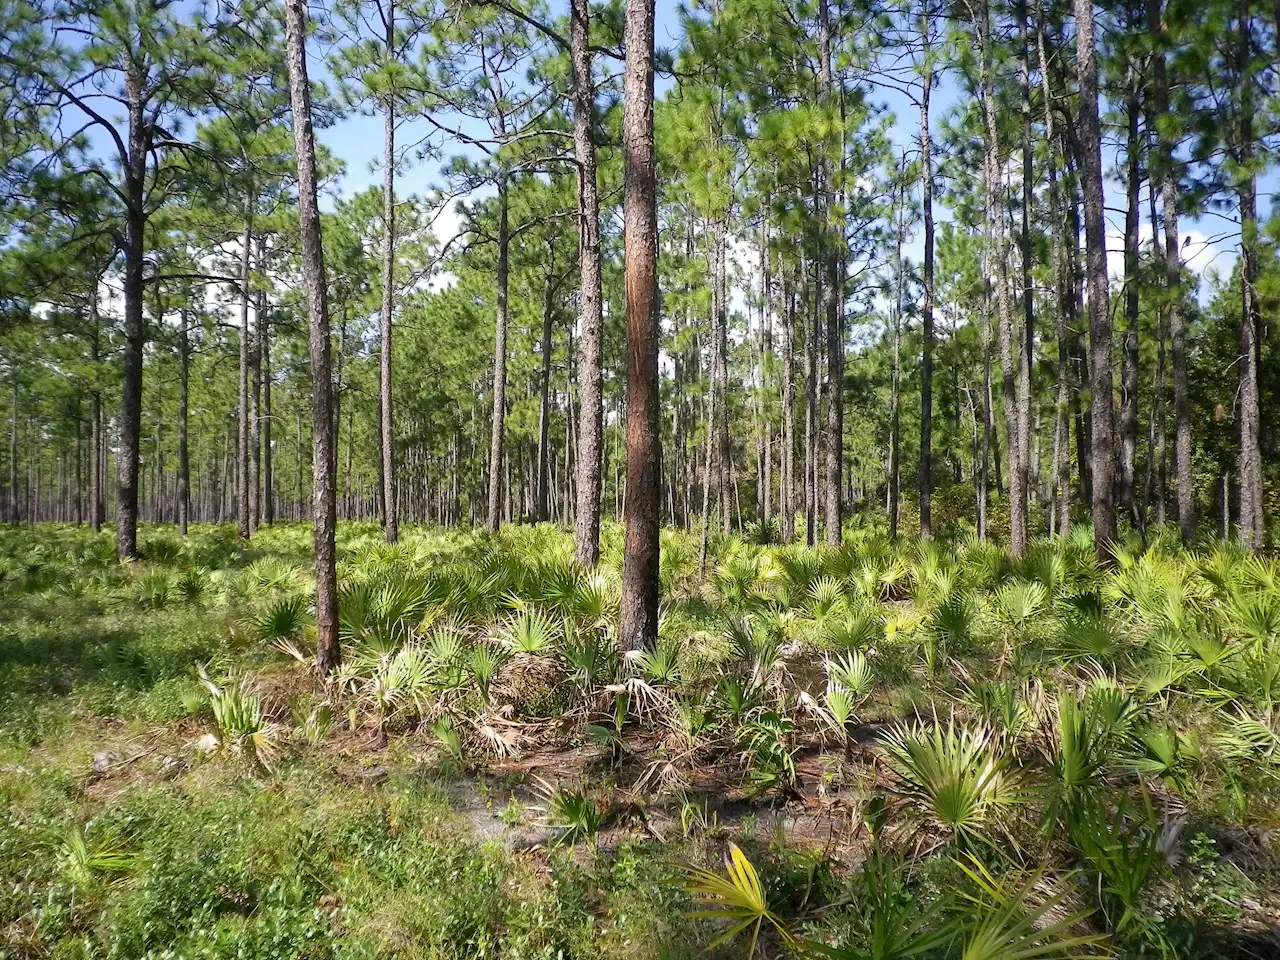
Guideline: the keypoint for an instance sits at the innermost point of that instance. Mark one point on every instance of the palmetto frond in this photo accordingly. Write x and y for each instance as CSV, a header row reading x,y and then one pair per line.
x,y
953,775
737,897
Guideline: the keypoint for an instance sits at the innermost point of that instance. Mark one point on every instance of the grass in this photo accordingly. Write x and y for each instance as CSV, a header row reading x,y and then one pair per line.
x,y
908,750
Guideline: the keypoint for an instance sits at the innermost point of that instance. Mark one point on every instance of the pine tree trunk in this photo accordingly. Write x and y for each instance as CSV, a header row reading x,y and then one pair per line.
x,y
97,506
324,518
1021,485
1009,356
590,315
926,292
811,419
13,452
133,327
542,510
720,373
895,377
1250,458
387,449
765,479
255,404
497,426
1165,170
268,471
833,288
184,462
1129,344
242,394
639,608
788,492
1100,385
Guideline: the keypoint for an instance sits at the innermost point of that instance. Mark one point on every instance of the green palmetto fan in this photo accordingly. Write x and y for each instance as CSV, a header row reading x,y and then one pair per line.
x,y
530,633
1019,601
1164,753
852,673
1251,739
1254,618
1083,744
285,621
661,665
1013,920
856,630
737,897
575,816
955,776
483,662
734,580
86,860
1005,707
826,598
237,713
1087,638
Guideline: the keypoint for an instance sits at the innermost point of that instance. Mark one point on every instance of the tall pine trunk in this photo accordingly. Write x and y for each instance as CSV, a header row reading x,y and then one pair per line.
x,y
387,447
242,386
1129,344
324,510
926,292
497,426
833,290
1164,168
542,509
184,461
639,609
1250,457
1020,485
133,327
590,311
1100,386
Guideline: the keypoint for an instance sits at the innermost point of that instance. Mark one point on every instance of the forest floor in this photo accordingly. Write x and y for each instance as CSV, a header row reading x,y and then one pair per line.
x,y
177,783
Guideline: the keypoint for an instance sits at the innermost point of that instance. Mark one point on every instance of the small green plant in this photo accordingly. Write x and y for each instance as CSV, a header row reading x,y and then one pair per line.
x,y
954,776
101,859
1011,919
314,725
239,722
737,897
575,816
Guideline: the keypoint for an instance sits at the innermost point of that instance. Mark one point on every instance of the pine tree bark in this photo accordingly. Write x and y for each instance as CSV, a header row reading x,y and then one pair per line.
x,y
639,608
833,289
134,328
720,373
926,293
1250,456
997,277
497,428
1129,344
1021,485
97,506
13,452
324,511
1164,168
542,509
1060,499
788,493
242,388
387,450
184,461
268,471
1100,385
590,311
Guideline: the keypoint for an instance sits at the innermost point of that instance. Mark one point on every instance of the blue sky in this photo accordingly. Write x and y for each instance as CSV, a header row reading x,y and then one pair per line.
x,y
1210,241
